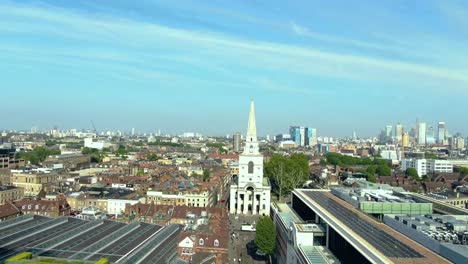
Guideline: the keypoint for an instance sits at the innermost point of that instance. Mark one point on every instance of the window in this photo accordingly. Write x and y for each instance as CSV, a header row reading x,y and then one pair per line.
x,y
201,242
251,167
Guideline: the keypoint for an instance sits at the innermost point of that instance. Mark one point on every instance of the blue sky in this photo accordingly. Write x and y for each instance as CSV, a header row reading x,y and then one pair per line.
x,y
182,66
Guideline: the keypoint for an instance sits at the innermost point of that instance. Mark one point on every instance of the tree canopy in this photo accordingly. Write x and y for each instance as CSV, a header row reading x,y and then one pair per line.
x,y
384,170
287,173
152,157
345,160
96,156
206,175
38,154
265,236
430,155
413,173
464,171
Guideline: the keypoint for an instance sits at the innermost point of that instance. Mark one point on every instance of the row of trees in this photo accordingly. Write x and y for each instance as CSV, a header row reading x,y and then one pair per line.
x,y
345,160
287,173
37,155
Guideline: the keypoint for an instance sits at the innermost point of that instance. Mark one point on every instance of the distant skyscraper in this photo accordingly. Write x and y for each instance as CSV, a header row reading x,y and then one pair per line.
x,y
398,131
421,133
441,131
133,131
354,135
295,133
460,143
405,139
302,131
388,131
430,136
236,141
303,136
312,136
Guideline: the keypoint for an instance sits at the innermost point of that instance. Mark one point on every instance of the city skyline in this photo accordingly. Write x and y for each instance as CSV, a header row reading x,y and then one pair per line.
x,y
189,66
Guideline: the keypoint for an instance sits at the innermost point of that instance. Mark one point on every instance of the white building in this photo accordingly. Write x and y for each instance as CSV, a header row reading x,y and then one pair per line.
x,y
117,206
398,131
95,143
425,166
250,193
421,133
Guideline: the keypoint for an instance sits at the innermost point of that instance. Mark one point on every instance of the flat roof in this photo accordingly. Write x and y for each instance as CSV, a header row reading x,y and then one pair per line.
x,y
384,239
72,238
318,255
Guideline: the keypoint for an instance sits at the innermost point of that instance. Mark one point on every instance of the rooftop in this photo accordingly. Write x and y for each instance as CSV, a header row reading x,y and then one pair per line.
x,y
370,233
71,238
318,255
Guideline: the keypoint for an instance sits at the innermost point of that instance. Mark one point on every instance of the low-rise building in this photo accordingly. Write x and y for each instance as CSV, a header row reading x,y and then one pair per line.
x,y
44,207
33,181
10,194
9,210
69,161
117,206
425,166
192,198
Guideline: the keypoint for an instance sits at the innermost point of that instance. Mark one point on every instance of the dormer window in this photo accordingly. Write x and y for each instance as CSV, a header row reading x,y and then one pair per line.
x,y
201,242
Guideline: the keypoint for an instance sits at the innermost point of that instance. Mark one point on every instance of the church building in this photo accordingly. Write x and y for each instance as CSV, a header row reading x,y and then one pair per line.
x,y
250,191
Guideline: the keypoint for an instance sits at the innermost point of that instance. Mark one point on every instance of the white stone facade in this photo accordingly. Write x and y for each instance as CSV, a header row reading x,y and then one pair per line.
x,y
250,191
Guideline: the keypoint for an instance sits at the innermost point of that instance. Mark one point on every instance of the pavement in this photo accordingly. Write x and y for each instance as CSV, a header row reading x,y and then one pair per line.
x,y
240,239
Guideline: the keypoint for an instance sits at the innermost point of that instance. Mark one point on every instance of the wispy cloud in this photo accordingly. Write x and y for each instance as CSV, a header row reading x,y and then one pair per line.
x,y
144,42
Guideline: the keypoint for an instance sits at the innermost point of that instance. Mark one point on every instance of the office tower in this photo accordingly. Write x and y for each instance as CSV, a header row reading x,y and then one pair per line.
x,y
460,143
133,131
302,132
441,131
421,133
295,133
405,139
354,135
236,141
251,193
388,131
311,136
398,131
430,136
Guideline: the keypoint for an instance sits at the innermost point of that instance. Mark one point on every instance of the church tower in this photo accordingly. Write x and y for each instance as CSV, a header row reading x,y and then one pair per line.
x,y
250,193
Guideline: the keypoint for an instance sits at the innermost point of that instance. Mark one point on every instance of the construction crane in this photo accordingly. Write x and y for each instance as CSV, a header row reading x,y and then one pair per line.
x,y
94,127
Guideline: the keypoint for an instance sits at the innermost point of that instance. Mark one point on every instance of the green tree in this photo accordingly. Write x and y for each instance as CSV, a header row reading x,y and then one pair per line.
x,y
372,169
371,178
206,175
430,155
265,235
122,150
152,157
38,154
384,170
323,162
413,173
287,173
464,171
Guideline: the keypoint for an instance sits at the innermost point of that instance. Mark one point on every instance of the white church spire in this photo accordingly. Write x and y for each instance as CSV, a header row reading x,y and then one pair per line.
x,y
251,143
251,127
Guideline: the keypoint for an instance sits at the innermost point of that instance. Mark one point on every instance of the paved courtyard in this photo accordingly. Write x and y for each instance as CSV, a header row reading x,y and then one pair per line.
x,y
240,239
